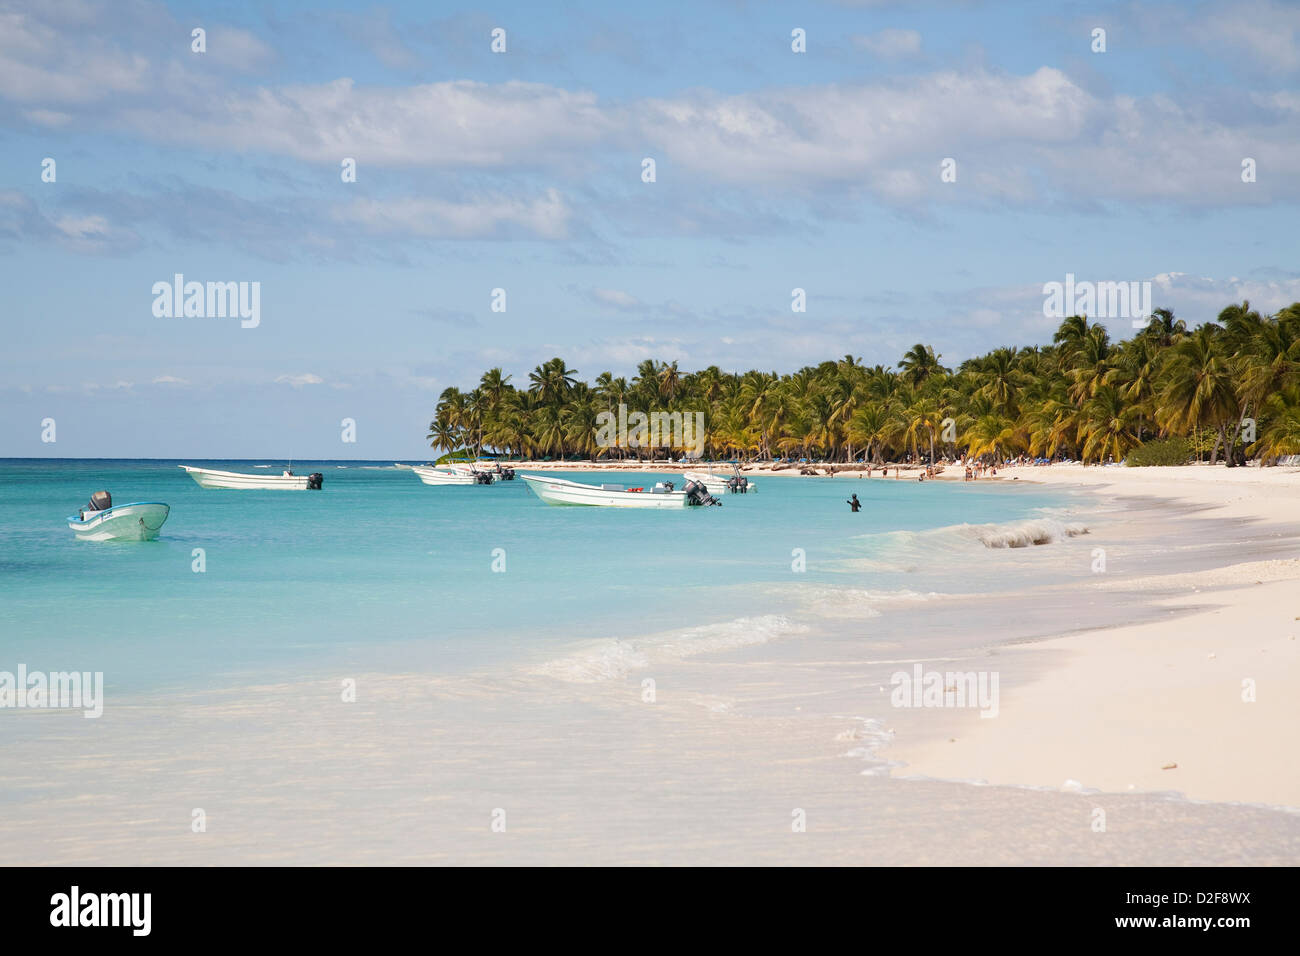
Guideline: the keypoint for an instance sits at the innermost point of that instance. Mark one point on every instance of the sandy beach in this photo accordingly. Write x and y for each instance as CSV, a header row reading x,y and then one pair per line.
x,y
1164,706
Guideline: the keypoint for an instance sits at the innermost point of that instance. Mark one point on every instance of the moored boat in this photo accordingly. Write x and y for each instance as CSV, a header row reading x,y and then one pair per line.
x,y
102,521
211,478
561,491
446,476
733,484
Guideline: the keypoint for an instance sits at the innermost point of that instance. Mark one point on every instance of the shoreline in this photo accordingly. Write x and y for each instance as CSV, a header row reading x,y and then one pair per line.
x,y
1114,709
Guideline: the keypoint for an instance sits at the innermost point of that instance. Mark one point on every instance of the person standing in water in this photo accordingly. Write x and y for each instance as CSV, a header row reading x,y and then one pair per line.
x,y
854,504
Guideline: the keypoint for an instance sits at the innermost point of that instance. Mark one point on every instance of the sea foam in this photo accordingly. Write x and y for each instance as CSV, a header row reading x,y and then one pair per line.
x,y
612,658
1022,534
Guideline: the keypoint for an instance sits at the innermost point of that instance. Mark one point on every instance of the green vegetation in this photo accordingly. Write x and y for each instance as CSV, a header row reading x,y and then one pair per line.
x,y
1082,397
1161,451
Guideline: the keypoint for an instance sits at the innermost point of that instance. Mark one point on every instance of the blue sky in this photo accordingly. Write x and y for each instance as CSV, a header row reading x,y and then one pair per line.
x,y
522,170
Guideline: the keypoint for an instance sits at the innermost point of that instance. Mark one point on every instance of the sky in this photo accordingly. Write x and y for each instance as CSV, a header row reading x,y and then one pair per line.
x,y
524,170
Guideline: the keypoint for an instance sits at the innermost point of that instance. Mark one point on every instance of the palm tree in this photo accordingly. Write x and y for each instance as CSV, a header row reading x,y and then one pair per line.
x,y
1108,426
991,434
1089,363
1280,427
1163,329
495,384
552,380
1199,386
442,434
1069,337
871,426
919,363
1082,395
670,381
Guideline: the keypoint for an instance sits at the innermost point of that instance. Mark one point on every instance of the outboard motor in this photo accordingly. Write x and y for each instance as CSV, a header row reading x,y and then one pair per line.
x,y
697,494
99,501
507,474
738,485
482,478
314,481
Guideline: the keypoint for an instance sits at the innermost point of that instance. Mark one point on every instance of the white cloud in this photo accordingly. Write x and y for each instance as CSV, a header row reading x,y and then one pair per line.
x,y
169,380
298,381
1034,137
1265,34
616,298
38,63
810,135
889,44
237,49
546,217
460,123
1016,137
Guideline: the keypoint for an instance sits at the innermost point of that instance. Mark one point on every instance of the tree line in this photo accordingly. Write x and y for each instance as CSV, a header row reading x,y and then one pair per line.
x,y
1229,388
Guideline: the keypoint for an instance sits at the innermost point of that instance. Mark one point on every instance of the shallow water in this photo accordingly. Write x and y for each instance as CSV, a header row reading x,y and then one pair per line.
x,y
379,571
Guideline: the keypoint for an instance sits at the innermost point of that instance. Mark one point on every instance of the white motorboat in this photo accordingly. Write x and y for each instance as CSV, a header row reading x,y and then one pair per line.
x,y
443,476
102,521
733,484
480,476
561,491
211,478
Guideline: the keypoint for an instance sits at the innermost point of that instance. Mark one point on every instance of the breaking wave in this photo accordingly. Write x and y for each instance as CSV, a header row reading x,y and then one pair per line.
x,y
612,658
961,538
1023,534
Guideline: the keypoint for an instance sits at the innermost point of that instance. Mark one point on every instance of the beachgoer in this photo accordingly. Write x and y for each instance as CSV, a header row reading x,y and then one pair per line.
x,y
854,504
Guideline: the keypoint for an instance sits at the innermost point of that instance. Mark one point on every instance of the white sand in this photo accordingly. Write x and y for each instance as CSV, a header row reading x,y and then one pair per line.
x,y
1121,704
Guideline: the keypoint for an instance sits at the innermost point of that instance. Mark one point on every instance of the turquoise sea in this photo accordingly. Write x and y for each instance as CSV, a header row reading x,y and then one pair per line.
x,y
378,571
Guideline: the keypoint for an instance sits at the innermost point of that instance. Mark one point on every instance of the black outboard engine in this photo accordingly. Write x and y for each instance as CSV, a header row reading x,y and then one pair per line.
x,y
99,501
738,485
314,481
506,474
482,478
697,494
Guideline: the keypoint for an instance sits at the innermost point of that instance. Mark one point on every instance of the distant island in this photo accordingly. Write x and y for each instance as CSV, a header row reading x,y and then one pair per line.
x,y
1227,390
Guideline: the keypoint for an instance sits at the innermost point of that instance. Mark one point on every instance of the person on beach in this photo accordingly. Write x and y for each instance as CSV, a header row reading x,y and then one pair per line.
x,y
854,504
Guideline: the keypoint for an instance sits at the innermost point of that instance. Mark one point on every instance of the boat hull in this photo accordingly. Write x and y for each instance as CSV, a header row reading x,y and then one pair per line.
x,y
436,476
137,521
209,478
716,484
559,491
